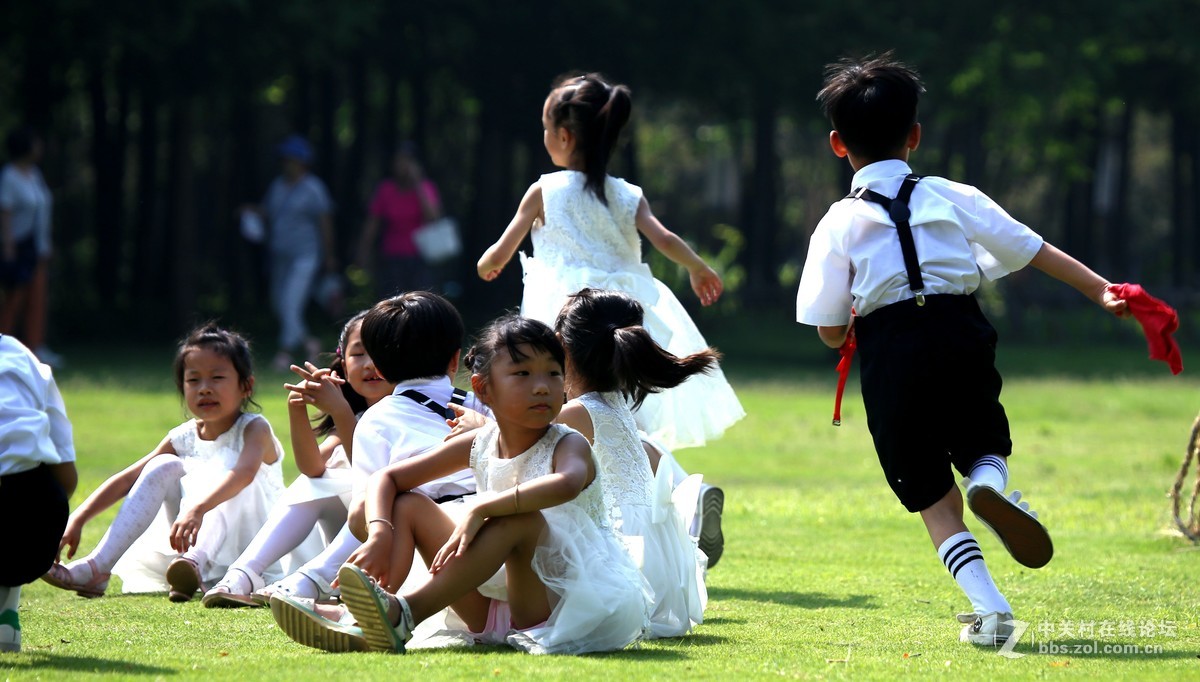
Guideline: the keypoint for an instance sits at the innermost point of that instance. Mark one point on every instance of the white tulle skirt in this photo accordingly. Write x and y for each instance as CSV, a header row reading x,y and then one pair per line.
x,y
686,416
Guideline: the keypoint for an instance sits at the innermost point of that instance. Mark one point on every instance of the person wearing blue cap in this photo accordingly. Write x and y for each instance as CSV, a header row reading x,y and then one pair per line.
x,y
298,213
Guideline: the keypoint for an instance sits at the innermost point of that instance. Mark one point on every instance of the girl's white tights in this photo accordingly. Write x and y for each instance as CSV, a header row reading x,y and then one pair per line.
x,y
157,485
287,527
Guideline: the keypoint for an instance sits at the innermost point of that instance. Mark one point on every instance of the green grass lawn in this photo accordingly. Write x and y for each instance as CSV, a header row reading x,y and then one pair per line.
x,y
824,575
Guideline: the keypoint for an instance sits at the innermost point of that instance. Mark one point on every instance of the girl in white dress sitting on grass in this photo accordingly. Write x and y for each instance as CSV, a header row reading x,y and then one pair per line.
x,y
194,502
320,495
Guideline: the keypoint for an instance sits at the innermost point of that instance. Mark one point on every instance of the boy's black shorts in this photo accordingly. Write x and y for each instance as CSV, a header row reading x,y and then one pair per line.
x,y
932,393
33,515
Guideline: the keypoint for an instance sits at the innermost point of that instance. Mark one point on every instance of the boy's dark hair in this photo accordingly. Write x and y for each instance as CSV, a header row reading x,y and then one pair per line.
x,y
594,111
872,104
323,423
603,333
507,333
412,336
20,142
223,342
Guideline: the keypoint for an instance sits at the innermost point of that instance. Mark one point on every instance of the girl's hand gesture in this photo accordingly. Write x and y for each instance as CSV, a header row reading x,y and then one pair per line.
x,y
462,536
70,538
318,386
374,557
465,420
706,283
185,530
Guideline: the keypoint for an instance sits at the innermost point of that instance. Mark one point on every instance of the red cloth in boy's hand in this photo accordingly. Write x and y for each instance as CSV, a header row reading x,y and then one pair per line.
x,y
843,370
1159,322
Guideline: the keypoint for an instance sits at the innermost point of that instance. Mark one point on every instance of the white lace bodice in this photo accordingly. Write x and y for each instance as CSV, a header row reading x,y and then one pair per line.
x,y
223,451
581,231
618,450
494,474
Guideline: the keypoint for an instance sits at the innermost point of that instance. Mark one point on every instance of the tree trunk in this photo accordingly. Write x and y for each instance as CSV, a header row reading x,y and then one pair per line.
x,y
106,226
760,235
148,242
182,239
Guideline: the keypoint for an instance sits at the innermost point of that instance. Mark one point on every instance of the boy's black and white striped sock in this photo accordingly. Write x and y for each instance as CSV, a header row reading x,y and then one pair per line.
x,y
992,471
961,555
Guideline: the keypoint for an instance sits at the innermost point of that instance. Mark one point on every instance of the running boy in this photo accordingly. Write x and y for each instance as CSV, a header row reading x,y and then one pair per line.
x,y
898,275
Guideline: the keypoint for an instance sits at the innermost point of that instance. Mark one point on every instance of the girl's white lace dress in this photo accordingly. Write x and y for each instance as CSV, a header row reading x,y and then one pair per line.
x,y
645,517
584,243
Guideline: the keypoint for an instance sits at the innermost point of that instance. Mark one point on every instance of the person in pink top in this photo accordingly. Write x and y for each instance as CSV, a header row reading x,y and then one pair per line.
x,y
402,203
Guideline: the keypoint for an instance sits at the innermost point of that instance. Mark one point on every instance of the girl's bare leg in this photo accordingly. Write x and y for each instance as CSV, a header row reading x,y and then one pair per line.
x,y
507,541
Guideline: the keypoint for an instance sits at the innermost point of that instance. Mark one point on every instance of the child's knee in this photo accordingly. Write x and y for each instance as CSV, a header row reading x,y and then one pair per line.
x,y
356,518
165,466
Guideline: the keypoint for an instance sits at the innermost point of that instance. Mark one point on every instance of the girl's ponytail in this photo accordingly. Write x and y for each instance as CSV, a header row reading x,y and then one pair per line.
x,y
595,112
641,366
611,351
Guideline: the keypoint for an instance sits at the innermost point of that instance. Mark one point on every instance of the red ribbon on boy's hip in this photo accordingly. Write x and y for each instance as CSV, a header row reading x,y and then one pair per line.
x,y
843,370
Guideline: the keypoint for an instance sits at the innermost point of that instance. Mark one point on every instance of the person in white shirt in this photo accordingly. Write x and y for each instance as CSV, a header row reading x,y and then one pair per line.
x,y
415,340
893,266
37,477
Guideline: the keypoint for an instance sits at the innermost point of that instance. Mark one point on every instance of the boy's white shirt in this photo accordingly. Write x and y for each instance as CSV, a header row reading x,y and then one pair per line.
x,y
854,257
34,428
397,427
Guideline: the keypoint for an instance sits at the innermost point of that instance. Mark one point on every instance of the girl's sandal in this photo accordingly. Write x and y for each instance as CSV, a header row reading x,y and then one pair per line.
x,y
60,577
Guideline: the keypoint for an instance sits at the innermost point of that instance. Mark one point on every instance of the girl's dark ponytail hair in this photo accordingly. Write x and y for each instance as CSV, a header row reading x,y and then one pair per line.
x,y
595,112
611,350
323,423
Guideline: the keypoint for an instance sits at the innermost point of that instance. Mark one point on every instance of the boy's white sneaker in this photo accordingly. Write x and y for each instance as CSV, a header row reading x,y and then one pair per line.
x,y
10,631
986,629
1013,523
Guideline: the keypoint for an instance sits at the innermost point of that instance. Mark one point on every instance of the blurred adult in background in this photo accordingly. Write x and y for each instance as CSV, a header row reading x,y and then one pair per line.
x,y
25,212
298,213
402,203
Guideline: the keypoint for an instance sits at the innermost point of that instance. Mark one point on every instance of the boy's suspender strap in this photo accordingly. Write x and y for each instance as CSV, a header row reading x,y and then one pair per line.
x,y
434,406
900,214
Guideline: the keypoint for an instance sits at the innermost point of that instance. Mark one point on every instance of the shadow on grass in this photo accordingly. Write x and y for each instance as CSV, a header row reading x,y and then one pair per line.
x,y
805,600
34,661
1126,651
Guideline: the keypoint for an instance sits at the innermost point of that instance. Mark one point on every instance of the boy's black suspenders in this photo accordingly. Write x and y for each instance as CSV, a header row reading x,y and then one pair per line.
x,y
456,398
899,212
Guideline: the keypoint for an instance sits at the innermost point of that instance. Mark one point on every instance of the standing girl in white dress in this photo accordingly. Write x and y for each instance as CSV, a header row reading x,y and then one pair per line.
x,y
320,495
612,366
566,584
195,502
585,227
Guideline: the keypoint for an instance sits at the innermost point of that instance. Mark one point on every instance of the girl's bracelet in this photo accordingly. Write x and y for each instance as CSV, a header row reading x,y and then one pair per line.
x,y
382,520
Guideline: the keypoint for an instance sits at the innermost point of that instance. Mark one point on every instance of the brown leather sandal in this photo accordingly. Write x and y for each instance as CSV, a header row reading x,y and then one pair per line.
x,y
60,577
